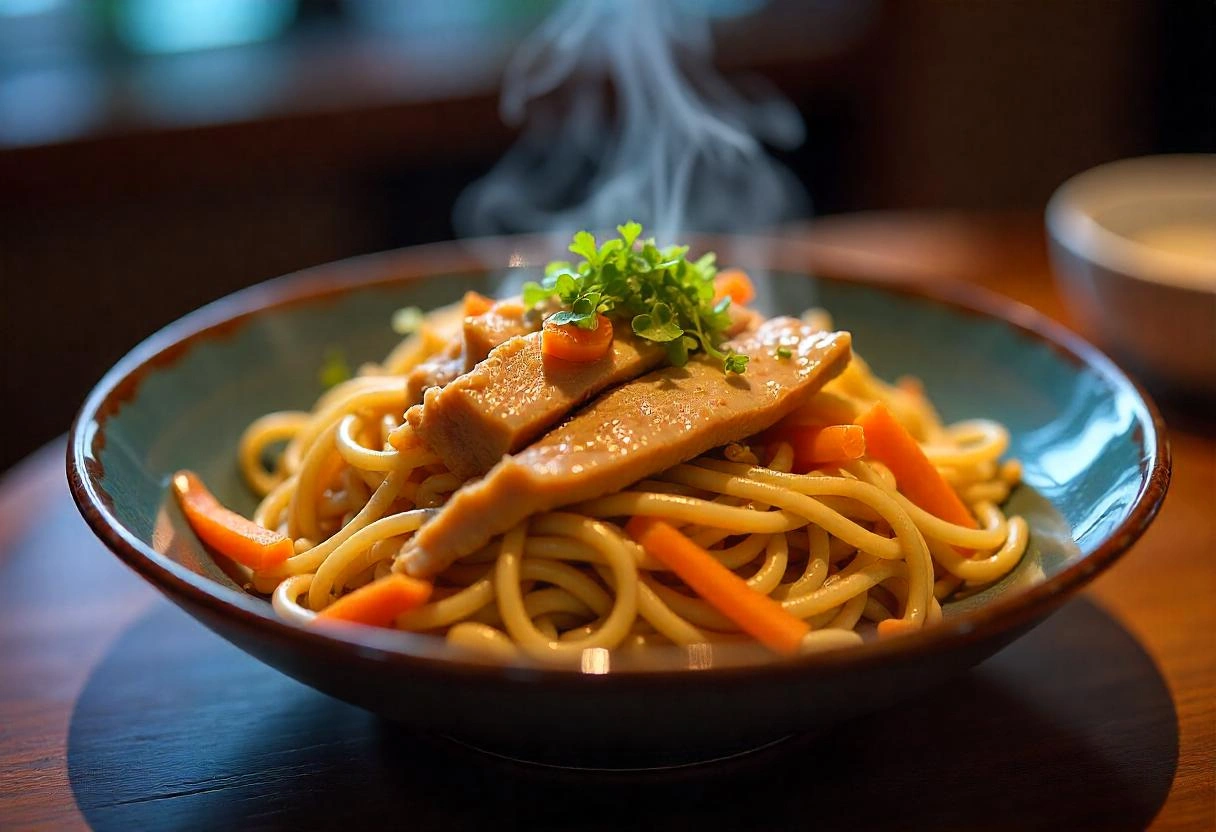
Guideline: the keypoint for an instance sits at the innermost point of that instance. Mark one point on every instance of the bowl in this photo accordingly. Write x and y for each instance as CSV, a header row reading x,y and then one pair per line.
x,y
1133,244
1096,470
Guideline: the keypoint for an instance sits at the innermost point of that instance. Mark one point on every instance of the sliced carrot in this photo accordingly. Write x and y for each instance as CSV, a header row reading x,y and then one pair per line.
x,y
757,615
815,446
890,443
377,604
735,284
476,304
896,627
573,343
224,530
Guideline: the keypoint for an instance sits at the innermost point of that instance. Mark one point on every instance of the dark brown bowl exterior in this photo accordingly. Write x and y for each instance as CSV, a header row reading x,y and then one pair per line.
x,y
707,711
589,719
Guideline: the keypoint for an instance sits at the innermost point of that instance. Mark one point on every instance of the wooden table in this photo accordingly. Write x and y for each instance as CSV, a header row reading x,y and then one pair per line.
x,y
117,711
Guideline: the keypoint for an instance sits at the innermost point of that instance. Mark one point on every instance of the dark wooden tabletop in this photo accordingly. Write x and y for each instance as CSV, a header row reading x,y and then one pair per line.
x,y
117,711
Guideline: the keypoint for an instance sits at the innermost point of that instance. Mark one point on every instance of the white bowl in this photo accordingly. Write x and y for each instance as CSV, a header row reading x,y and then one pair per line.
x,y
1133,244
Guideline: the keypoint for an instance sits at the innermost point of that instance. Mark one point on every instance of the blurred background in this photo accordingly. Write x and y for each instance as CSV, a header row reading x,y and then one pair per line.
x,y
157,154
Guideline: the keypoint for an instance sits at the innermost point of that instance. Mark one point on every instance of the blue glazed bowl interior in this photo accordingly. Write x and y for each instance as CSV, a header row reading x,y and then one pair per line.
x,y
1084,434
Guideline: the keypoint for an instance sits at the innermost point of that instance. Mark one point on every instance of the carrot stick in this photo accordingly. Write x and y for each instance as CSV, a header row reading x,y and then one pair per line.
x,y
757,615
227,532
379,603
736,285
890,443
573,343
815,446
895,627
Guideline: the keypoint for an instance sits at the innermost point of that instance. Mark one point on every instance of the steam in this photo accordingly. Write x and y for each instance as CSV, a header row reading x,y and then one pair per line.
x,y
625,117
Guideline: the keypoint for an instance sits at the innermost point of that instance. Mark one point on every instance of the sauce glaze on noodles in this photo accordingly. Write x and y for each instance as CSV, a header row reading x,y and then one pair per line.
x,y
840,548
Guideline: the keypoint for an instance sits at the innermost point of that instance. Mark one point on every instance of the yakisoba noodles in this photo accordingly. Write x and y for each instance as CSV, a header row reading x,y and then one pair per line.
x,y
840,547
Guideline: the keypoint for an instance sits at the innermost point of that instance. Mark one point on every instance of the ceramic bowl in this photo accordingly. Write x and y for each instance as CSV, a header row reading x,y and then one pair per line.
x,y
1096,469
1124,240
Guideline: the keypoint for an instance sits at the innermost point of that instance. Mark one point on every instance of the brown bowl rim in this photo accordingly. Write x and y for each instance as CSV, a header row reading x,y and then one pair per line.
x,y
318,283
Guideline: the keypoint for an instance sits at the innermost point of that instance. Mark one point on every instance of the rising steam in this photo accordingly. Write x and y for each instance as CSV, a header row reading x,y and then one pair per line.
x,y
624,116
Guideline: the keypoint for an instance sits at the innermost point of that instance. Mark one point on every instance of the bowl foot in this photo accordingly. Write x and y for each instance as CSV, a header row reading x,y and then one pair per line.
x,y
625,761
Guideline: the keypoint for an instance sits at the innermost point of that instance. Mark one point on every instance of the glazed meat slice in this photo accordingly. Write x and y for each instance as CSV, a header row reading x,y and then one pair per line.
x,y
479,335
504,320
664,418
434,372
515,395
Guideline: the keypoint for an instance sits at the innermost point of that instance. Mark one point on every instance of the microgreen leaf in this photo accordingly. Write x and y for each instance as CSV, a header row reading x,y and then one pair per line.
x,y
666,297
584,311
565,286
533,294
558,266
583,245
630,232
735,363
658,324
677,352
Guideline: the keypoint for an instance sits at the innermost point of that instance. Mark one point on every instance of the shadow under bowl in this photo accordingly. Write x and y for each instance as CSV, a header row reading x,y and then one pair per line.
x,y
1095,460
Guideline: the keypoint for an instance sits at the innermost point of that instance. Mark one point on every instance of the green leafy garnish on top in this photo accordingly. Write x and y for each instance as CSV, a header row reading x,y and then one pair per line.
x,y
666,297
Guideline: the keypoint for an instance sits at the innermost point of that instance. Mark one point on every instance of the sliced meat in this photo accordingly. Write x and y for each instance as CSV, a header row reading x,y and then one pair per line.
x,y
434,372
479,334
664,418
504,320
517,394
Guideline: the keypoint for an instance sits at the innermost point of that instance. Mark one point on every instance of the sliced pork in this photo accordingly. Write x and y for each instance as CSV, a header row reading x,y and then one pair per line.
x,y
515,395
434,372
636,430
479,334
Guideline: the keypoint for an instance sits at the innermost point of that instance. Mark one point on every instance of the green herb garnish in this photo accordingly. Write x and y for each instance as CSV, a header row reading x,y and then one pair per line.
x,y
784,352
334,369
666,297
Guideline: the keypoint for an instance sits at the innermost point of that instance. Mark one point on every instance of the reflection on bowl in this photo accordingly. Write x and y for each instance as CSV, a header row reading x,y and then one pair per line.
x,y
1134,248
1095,470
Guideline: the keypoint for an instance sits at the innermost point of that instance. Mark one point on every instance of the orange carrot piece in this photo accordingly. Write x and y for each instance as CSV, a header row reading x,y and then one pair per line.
x,y
896,627
735,284
757,615
379,603
815,446
476,304
224,530
573,343
890,443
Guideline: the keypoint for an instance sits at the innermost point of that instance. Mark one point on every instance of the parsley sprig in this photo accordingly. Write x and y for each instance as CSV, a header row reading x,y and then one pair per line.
x,y
666,297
